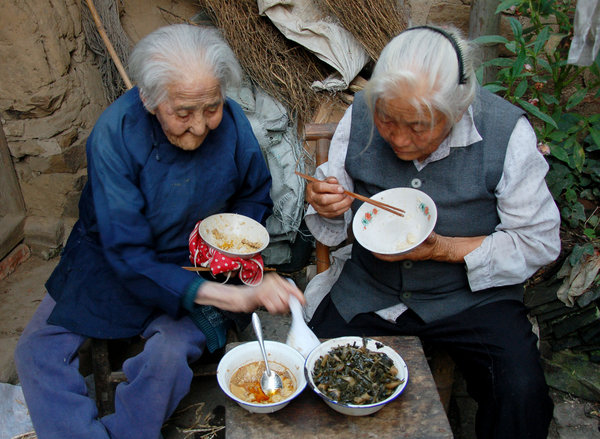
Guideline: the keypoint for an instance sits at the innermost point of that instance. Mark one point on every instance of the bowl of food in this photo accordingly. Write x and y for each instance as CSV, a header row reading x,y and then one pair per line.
x,y
355,376
386,233
240,369
234,235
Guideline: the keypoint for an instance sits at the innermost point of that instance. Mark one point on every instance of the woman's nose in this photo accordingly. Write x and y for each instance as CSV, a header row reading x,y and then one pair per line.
x,y
401,136
198,125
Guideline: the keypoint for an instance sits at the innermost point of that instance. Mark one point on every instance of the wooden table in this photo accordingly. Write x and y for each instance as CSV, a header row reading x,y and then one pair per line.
x,y
416,413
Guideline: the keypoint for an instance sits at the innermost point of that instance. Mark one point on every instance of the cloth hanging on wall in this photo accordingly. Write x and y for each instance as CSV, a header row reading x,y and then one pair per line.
x,y
302,22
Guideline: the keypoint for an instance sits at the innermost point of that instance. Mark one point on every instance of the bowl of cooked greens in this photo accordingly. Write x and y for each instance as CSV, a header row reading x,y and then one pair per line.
x,y
355,376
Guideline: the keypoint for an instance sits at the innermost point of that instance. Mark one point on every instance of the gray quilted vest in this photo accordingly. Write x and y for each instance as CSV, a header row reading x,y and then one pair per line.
x,y
462,186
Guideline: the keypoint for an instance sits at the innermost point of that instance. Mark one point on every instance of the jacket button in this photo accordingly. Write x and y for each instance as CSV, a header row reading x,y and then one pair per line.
x,y
407,264
406,295
416,183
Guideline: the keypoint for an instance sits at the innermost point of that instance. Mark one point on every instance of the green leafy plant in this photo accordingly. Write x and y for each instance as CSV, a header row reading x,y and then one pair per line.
x,y
536,76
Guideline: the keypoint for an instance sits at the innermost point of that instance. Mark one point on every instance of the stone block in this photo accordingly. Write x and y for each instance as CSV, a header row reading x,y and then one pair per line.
x,y
8,371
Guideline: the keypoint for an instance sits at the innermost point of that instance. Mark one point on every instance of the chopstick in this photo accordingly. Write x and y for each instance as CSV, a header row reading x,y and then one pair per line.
x,y
208,268
388,207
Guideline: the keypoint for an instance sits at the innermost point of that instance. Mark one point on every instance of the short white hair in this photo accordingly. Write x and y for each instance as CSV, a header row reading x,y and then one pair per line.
x,y
178,53
426,56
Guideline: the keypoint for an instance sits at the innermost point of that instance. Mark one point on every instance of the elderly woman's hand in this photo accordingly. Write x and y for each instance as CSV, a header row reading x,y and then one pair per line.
x,y
273,294
328,198
438,248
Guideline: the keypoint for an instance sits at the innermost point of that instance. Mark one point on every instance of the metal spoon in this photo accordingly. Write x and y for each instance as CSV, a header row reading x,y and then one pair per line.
x,y
270,382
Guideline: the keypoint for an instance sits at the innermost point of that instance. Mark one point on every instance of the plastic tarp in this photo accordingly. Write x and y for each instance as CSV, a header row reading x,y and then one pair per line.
x,y
278,139
14,416
301,22
586,33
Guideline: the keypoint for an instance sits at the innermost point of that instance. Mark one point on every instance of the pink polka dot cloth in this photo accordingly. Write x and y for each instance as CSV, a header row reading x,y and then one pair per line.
x,y
250,271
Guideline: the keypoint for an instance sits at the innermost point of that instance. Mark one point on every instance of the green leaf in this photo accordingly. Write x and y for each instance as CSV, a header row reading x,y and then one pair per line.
x,y
490,39
494,88
506,4
595,135
521,89
511,46
499,62
557,136
559,152
578,156
517,67
541,39
549,99
544,64
536,112
516,27
576,98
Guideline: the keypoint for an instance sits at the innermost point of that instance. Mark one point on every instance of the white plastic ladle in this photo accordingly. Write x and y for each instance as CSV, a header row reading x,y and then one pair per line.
x,y
300,337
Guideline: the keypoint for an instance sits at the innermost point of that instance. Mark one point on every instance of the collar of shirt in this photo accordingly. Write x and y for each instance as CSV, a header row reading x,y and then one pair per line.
x,y
463,133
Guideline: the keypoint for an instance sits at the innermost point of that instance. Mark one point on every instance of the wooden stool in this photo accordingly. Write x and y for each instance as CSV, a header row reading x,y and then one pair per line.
x,y
107,357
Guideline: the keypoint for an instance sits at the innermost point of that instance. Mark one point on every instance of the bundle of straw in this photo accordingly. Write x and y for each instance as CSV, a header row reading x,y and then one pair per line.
x,y
372,22
282,68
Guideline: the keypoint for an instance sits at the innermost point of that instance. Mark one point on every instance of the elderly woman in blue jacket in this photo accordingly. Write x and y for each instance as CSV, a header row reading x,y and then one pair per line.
x,y
164,155
423,122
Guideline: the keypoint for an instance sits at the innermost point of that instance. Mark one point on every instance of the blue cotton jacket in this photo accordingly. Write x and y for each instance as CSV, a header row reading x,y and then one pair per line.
x,y
121,266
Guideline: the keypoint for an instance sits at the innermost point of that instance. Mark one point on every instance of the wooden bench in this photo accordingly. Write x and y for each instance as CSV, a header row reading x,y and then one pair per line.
x,y
416,413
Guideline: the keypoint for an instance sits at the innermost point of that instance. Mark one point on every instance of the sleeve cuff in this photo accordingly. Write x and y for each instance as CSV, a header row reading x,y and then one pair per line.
x,y
187,301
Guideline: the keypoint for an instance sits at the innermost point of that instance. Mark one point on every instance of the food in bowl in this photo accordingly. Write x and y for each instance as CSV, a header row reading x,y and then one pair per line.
x,y
234,235
365,405
234,244
353,374
279,354
245,383
385,233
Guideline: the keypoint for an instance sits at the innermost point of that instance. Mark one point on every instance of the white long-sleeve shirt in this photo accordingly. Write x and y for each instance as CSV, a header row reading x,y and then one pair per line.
x,y
527,237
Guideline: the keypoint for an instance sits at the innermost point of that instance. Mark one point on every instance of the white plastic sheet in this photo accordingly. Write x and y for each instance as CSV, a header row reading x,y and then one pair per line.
x,y
301,22
586,33
14,416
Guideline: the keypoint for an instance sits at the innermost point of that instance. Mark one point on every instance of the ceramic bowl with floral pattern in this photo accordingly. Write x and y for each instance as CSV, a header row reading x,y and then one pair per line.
x,y
383,232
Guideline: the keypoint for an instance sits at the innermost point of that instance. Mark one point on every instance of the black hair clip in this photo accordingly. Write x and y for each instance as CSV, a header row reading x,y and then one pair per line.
x,y
461,78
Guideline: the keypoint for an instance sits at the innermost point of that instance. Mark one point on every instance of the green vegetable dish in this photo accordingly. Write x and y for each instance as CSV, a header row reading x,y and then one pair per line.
x,y
351,374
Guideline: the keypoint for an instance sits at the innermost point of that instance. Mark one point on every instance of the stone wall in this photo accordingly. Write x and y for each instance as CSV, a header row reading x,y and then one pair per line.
x,y
51,94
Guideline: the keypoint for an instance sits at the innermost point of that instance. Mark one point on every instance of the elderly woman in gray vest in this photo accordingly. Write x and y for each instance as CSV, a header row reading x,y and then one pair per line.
x,y
423,122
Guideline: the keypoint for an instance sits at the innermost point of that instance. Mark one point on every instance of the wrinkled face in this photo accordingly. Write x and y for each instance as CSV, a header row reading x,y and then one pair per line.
x,y
190,111
411,135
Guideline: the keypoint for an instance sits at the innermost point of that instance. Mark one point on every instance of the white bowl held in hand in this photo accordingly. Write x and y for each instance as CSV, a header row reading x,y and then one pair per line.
x,y
383,232
234,235
279,354
373,346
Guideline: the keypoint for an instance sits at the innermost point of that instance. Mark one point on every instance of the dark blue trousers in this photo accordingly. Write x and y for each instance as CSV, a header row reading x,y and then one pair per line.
x,y
157,379
494,348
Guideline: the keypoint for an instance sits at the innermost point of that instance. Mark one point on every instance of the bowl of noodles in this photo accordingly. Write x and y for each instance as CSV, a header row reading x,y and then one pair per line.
x,y
234,235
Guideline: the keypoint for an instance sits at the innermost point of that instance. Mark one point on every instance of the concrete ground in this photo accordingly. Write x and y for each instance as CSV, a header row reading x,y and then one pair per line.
x,y
201,414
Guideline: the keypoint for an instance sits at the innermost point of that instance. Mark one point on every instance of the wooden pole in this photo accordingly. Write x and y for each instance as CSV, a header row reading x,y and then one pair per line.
x,y
483,20
109,46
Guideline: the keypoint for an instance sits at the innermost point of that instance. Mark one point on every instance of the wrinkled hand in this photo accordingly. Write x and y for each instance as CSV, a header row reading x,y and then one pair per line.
x,y
328,198
439,248
426,250
273,293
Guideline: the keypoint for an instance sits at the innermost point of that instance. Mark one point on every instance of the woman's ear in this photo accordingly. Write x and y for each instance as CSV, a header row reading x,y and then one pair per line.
x,y
145,102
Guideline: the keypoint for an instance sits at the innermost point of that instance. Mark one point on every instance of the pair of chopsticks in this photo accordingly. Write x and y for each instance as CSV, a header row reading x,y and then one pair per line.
x,y
388,207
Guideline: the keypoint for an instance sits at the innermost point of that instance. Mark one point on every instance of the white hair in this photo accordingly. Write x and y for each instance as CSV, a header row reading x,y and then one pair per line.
x,y
426,56
178,53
